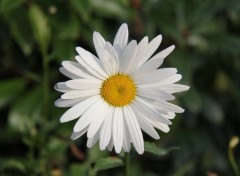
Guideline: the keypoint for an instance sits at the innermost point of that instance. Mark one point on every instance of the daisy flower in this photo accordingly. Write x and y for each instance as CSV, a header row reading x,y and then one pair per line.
x,y
120,92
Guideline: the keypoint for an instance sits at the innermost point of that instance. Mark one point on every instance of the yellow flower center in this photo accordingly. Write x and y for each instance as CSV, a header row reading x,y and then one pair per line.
x,y
118,90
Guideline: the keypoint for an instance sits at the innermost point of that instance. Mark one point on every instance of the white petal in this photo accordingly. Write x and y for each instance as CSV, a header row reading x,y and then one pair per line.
x,y
142,48
154,94
76,135
98,40
78,109
150,102
126,138
170,80
73,94
61,87
121,37
134,129
128,56
171,115
90,62
143,44
163,105
110,145
164,53
98,120
173,88
102,52
156,76
153,45
147,67
90,114
106,130
114,60
90,68
117,129
84,84
151,48
163,127
165,81
69,74
92,141
149,111
66,103
145,124
77,69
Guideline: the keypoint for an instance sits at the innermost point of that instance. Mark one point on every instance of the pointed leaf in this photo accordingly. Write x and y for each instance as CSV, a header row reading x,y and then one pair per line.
x,y
40,26
78,169
12,164
8,6
26,111
108,163
9,89
154,149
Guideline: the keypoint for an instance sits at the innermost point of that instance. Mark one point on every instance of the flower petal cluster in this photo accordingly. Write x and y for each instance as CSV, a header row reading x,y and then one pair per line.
x,y
120,92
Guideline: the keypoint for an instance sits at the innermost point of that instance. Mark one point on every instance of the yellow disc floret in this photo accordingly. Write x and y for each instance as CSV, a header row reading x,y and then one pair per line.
x,y
118,90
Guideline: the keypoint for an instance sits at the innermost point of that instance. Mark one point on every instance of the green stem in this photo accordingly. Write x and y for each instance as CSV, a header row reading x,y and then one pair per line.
x,y
127,164
45,85
233,161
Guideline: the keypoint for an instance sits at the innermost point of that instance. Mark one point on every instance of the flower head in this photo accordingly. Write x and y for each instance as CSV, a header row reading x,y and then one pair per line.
x,y
120,93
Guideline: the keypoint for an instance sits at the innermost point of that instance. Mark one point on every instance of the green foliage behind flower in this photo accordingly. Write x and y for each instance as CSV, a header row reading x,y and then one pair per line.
x,y
207,54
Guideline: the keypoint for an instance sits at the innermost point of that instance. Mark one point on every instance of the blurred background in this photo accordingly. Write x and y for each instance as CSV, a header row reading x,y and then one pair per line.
x,y
37,35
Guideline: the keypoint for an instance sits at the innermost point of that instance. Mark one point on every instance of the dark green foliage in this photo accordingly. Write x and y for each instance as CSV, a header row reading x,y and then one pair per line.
x,y
207,54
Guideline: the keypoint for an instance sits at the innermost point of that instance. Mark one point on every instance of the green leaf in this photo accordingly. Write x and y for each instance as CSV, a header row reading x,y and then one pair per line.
x,y
154,149
10,89
40,26
26,111
21,30
185,168
78,169
12,164
108,163
111,8
70,29
83,8
95,153
56,146
66,26
8,6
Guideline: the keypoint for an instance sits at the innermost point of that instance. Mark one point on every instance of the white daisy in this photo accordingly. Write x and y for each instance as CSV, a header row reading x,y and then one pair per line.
x,y
119,93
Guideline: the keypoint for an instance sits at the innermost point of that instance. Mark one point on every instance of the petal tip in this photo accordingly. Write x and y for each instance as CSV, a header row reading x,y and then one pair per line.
x,y
180,110
117,150
160,36
90,134
73,137
75,129
124,25
187,87
140,152
55,87
157,138
77,48
62,120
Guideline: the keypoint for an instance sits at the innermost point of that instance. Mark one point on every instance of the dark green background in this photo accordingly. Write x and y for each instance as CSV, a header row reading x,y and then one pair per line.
x,y
206,34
